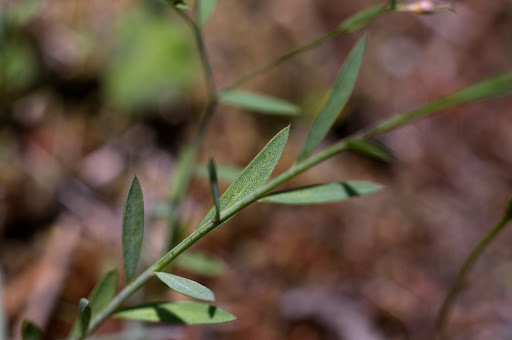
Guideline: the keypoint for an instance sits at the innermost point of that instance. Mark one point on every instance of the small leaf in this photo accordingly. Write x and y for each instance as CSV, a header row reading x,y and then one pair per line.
x,y
254,175
257,102
205,9
214,187
200,264
370,149
186,287
339,95
133,228
30,331
322,193
224,173
103,292
84,317
188,313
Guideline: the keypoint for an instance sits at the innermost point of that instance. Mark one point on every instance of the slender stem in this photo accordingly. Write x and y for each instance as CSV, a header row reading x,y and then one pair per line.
x,y
386,125
207,228
351,24
190,151
202,51
133,286
446,307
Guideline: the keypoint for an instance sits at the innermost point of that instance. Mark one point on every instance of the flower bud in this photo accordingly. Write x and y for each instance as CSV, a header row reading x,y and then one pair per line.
x,y
426,6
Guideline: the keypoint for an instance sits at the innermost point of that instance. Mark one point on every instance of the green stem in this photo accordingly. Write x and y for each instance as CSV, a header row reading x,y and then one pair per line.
x,y
489,88
189,152
202,51
499,85
351,24
446,307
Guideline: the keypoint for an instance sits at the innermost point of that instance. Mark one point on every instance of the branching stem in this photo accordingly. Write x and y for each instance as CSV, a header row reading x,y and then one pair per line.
x,y
386,125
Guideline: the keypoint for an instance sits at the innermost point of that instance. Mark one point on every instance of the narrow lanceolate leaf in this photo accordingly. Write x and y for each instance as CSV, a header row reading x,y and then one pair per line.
x,y
84,317
323,193
188,313
214,185
497,86
133,228
258,103
186,287
200,264
103,292
205,9
340,92
30,331
254,175
493,87
369,149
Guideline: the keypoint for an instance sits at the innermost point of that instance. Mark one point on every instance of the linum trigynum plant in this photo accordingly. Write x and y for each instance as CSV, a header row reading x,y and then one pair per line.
x,y
253,184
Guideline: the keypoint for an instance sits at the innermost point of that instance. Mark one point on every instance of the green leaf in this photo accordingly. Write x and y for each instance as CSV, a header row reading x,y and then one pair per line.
x,y
103,292
322,193
200,264
188,313
214,187
30,331
339,95
497,86
186,287
369,148
224,173
84,317
257,102
205,9
254,175
133,228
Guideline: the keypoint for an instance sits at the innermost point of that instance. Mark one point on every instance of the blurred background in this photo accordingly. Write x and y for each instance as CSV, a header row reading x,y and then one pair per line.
x,y
93,92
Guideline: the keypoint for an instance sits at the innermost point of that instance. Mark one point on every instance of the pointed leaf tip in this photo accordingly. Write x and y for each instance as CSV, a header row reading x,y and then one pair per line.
x,y
84,317
338,97
133,228
186,287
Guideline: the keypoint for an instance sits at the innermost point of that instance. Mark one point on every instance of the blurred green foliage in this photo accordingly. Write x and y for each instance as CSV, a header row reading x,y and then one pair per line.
x,y
152,61
19,64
